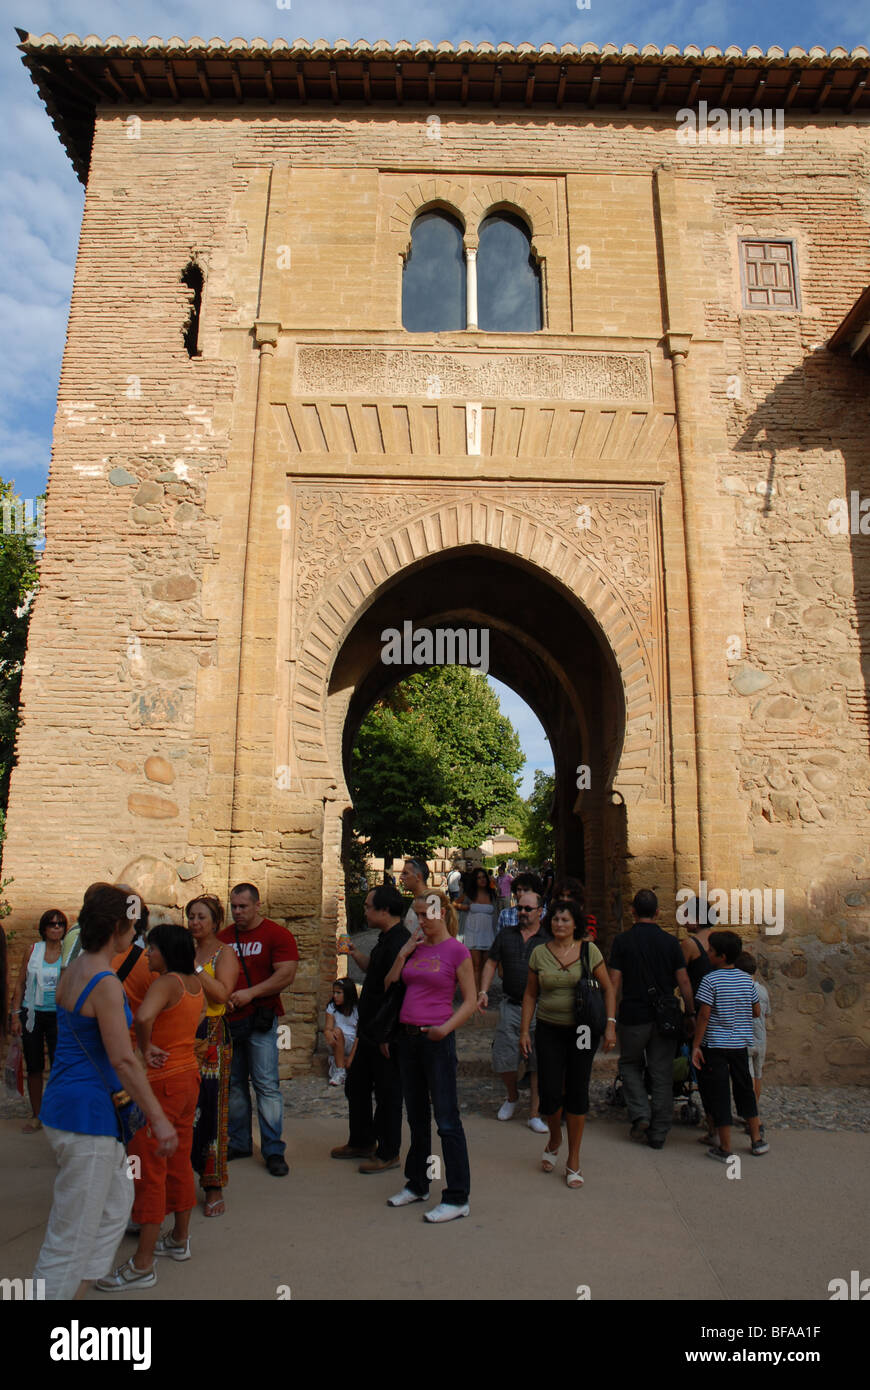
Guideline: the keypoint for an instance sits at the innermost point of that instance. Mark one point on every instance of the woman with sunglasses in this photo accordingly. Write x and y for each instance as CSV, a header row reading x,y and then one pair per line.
x,y
34,1011
431,966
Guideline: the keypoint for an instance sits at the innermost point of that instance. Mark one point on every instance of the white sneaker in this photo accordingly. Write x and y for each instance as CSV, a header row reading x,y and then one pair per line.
x,y
443,1212
405,1198
127,1276
338,1077
176,1250
507,1110
538,1125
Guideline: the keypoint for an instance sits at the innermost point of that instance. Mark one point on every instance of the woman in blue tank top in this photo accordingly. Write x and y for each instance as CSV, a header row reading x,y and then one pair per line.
x,y
94,1058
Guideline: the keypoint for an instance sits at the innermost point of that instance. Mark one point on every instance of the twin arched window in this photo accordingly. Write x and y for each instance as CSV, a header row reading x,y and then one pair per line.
x,y
445,288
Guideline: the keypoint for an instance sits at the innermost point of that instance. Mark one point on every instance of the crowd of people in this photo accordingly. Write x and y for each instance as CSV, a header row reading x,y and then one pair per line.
x,y
153,1048
156,1035
545,952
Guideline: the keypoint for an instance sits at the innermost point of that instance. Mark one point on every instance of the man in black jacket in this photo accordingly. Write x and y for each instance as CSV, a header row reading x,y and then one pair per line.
x,y
377,1139
646,962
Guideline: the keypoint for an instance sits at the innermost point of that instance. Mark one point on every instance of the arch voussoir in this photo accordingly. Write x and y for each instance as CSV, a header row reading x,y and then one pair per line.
x,y
504,529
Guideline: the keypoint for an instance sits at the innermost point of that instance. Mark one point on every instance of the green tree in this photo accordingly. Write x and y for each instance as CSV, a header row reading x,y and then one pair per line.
x,y
18,584
435,762
538,839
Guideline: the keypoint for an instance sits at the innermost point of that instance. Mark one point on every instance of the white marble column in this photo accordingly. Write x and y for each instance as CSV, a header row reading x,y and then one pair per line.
x,y
471,287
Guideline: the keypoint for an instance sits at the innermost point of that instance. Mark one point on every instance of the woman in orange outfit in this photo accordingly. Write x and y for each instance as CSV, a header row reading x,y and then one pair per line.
x,y
166,1027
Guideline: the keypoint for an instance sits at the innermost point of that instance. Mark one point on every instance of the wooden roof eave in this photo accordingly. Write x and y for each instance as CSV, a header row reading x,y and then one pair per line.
x,y
72,76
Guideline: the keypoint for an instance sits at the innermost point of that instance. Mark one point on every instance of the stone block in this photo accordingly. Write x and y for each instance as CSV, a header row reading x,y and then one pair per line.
x,y
159,769
151,807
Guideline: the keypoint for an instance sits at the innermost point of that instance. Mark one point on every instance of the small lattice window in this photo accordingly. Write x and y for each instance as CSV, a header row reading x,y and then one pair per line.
x,y
769,275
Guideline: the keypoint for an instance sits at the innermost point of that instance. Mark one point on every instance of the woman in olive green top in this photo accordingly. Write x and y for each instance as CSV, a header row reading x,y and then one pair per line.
x,y
564,1065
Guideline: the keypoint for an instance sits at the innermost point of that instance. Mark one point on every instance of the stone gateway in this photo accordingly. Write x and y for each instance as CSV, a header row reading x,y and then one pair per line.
x,y
462,338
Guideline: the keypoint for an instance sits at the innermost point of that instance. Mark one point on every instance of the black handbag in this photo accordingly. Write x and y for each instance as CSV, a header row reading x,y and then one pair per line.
x,y
384,1025
590,1010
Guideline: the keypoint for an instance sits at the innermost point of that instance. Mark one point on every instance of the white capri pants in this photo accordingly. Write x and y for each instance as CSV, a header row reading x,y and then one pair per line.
x,y
93,1196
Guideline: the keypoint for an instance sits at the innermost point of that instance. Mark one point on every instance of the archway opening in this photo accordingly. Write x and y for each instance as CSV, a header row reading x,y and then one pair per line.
x,y
541,642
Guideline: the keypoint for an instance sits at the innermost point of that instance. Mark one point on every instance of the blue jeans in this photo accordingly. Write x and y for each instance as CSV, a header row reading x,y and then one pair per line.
x,y
255,1059
428,1072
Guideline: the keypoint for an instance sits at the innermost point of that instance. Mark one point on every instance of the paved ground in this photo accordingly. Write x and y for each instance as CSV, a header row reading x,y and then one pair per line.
x,y
668,1225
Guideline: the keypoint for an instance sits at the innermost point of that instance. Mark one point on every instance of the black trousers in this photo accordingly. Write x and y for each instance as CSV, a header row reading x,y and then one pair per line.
x,y
34,1044
724,1064
564,1068
370,1072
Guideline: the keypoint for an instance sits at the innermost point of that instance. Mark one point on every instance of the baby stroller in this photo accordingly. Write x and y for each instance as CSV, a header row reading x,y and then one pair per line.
x,y
687,1110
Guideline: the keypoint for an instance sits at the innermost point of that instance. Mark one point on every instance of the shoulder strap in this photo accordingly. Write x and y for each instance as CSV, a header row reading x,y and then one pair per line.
x,y
129,961
241,957
95,1066
95,980
585,968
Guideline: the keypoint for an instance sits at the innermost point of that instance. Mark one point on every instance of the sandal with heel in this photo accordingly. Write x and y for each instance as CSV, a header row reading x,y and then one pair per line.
x,y
548,1161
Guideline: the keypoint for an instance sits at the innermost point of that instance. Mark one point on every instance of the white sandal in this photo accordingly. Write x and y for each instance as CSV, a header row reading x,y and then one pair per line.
x,y
573,1179
548,1162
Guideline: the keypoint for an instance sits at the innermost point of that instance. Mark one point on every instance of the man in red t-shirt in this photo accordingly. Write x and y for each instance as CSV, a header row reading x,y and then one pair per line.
x,y
268,960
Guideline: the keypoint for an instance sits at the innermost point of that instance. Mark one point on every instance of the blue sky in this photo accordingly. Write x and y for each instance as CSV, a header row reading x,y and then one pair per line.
x,y
532,737
41,199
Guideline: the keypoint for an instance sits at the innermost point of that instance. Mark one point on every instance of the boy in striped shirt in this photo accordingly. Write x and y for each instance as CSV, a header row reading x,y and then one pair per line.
x,y
726,1002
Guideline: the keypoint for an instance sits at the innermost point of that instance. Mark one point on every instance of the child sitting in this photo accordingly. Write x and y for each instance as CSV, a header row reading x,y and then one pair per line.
x,y
727,1001
339,1033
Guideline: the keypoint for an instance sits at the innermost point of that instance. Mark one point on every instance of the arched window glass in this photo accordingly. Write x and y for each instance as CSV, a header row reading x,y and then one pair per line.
x,y
508,283
433,285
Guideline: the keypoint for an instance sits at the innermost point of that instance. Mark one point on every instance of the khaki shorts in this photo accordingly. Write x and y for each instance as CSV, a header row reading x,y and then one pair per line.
x,y
756,1061
506,1054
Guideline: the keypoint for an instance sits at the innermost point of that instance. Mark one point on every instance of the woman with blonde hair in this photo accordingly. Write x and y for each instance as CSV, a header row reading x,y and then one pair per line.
x,y
431,965
217,966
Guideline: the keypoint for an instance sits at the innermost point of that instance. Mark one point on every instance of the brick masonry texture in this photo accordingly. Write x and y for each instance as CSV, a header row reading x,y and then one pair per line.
x,y
177,661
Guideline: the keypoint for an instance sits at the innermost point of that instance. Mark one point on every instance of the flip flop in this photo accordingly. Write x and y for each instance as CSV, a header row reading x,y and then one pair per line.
x,y
31,1127
215,1207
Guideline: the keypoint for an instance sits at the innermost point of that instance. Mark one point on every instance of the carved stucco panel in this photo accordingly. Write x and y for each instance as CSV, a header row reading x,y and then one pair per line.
x,y
601,542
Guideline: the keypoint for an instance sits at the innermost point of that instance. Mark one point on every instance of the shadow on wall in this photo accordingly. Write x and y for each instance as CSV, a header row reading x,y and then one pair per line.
x,y
805,751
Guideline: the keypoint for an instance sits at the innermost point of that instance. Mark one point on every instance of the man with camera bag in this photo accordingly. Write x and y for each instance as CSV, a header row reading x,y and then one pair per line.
x,y
269,957
648,964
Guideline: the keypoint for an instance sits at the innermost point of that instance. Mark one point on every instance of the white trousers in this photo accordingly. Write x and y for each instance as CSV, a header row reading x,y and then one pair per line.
x,y
93,1195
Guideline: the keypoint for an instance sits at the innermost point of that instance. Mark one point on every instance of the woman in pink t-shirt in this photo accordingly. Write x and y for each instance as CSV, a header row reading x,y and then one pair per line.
x,y
431,965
